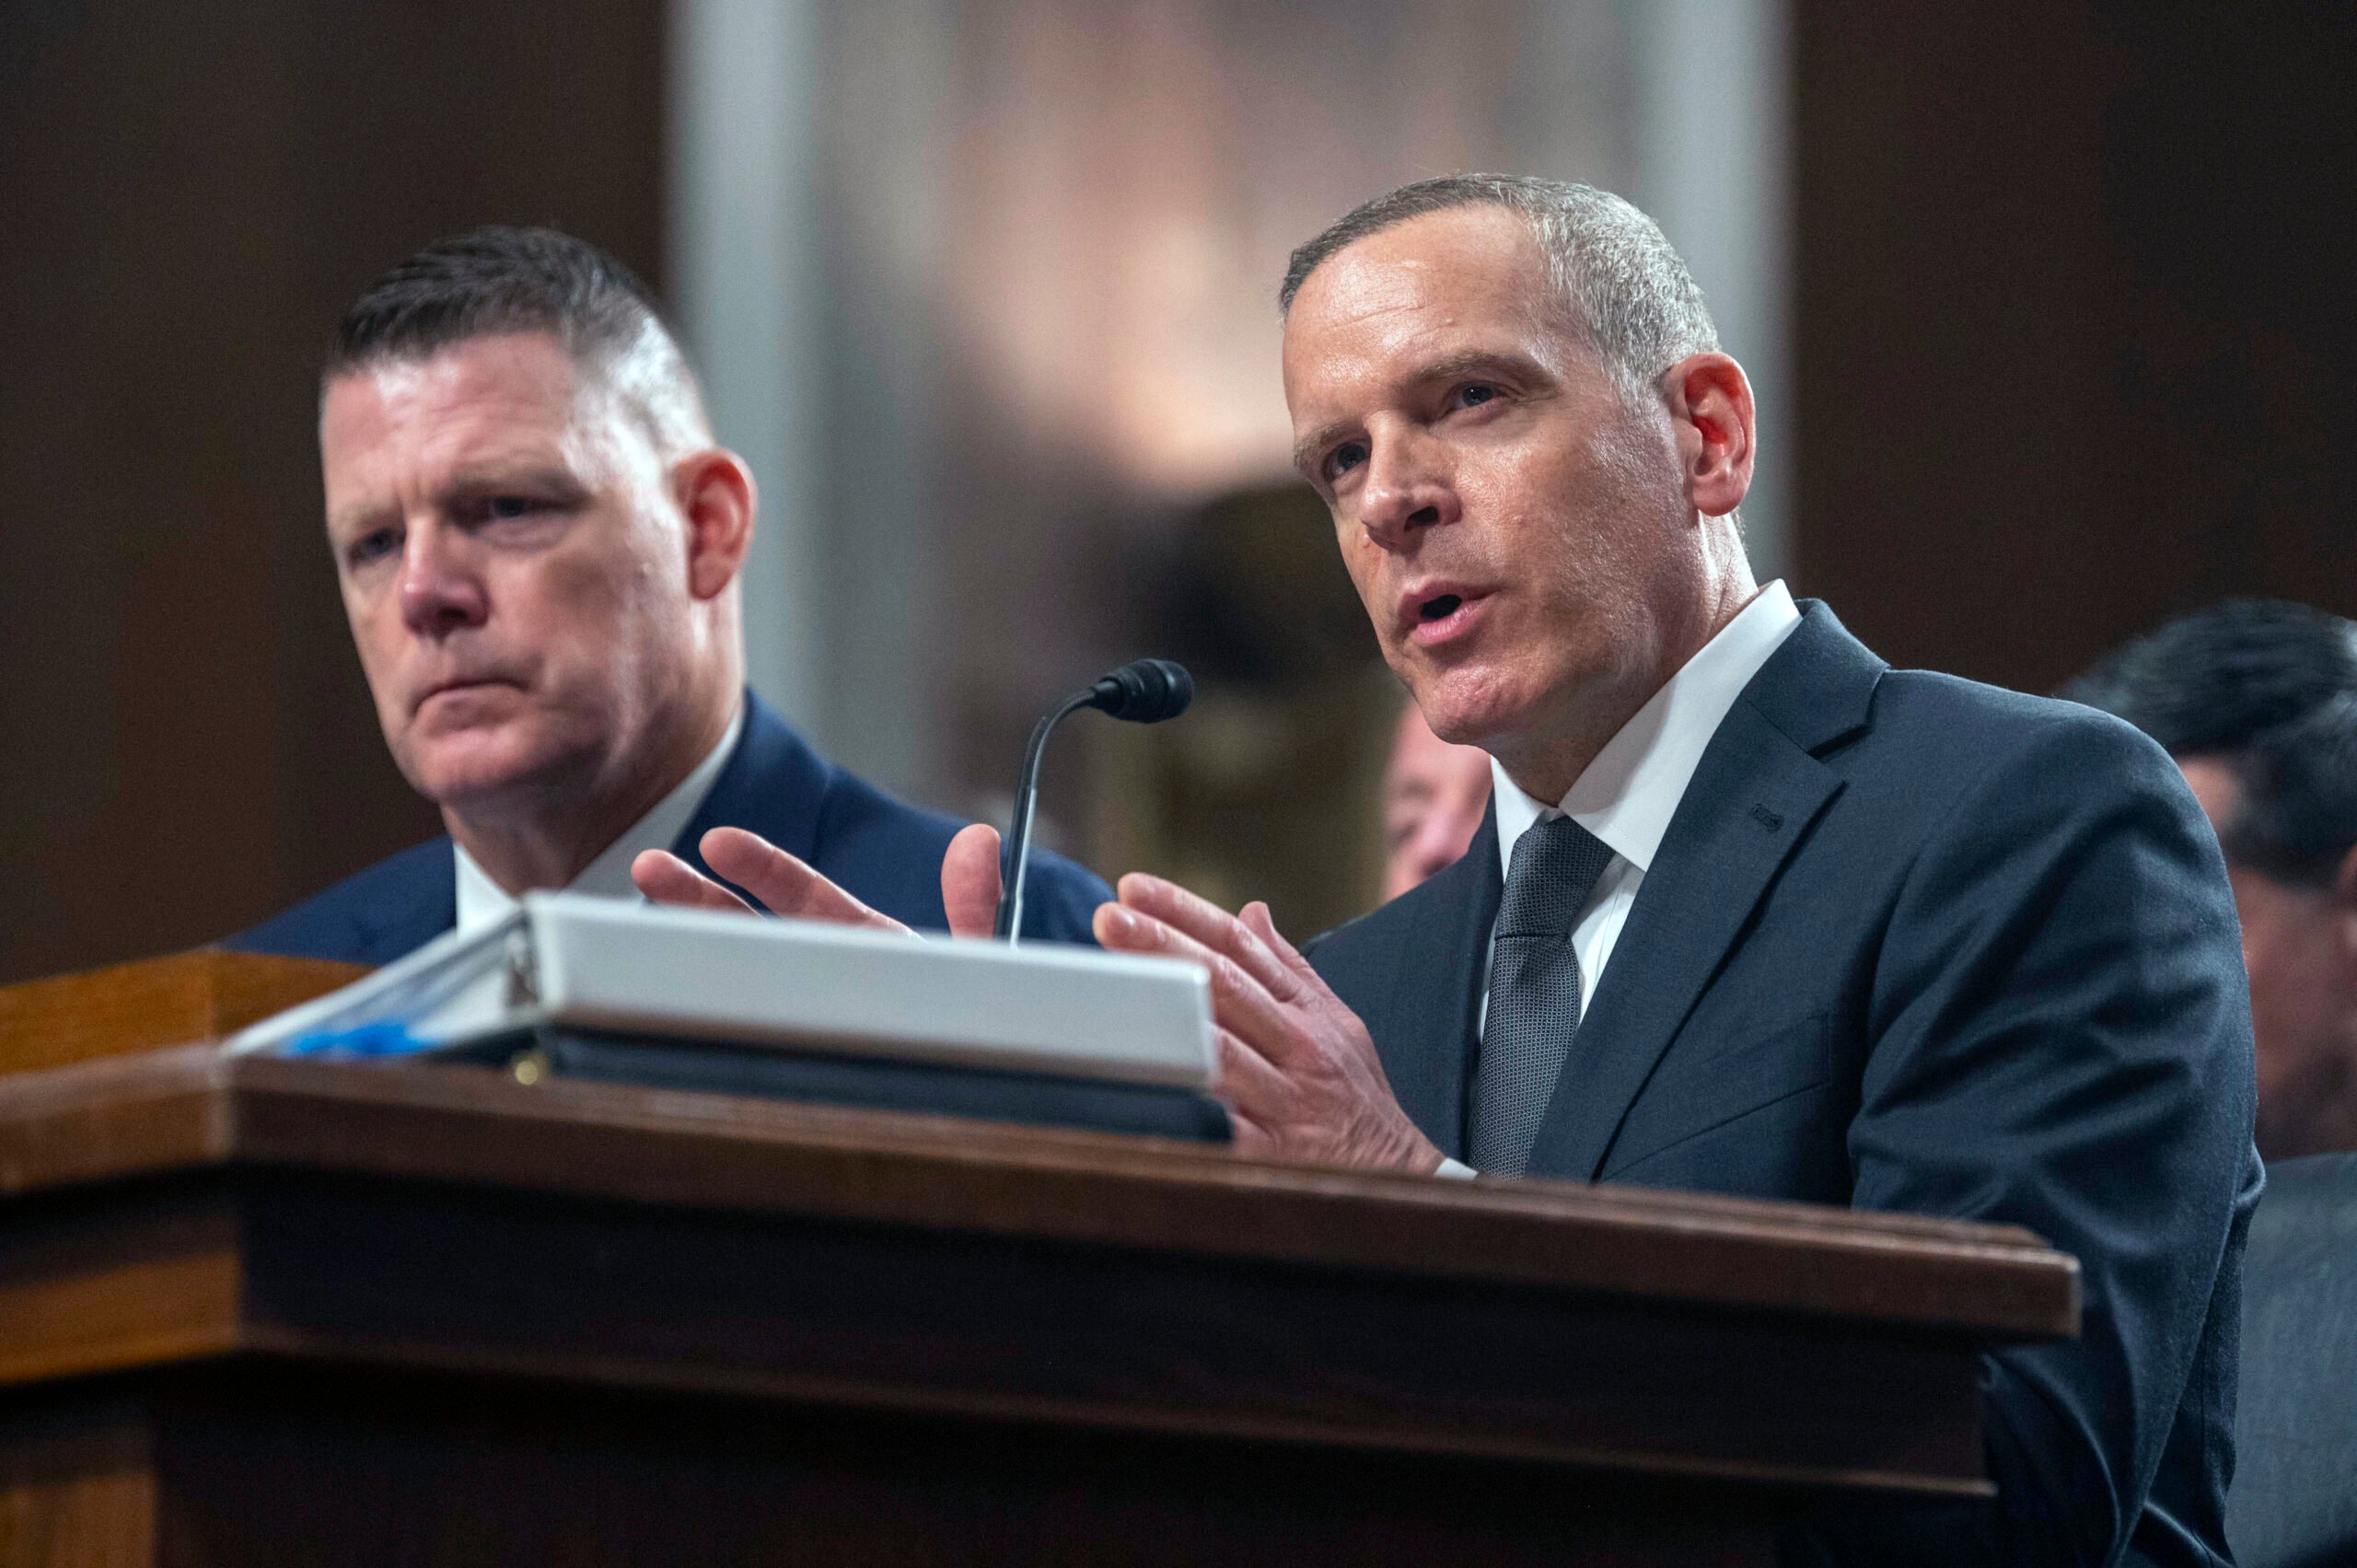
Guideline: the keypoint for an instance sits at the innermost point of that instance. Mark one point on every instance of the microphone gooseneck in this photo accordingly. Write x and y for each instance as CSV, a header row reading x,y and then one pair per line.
x,y
1146,691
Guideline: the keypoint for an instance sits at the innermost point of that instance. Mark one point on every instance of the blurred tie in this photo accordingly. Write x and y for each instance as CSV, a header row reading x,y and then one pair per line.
x,y
1534,990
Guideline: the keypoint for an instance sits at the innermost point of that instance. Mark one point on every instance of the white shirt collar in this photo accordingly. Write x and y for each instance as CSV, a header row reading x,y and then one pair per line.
x,y
1628,794
482,901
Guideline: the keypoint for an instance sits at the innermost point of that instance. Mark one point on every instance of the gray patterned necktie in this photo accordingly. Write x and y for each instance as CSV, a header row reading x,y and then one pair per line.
x,y
1534,990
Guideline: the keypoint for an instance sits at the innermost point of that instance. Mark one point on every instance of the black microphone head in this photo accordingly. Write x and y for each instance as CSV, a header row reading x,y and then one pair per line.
x,y
1144,690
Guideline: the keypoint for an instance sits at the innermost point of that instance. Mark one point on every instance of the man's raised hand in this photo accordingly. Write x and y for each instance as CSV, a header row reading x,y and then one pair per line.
x,y
1299,1071
788,887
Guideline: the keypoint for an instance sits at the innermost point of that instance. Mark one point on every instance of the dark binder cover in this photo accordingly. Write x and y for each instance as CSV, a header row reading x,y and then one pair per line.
x,y
873,1082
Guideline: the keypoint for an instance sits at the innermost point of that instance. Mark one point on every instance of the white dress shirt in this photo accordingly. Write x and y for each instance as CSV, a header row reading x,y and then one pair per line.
x,y
483,901
1627,795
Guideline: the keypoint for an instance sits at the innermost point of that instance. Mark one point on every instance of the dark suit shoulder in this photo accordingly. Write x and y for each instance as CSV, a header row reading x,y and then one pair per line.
x,y
879,849
371,917
1945,755
1947,717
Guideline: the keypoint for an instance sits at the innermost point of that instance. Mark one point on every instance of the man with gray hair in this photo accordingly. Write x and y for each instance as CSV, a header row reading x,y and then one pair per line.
x,y
1751,912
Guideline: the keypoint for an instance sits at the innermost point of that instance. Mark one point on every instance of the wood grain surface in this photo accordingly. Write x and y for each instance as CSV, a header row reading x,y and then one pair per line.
x,y
417,1312
183,1110
198,995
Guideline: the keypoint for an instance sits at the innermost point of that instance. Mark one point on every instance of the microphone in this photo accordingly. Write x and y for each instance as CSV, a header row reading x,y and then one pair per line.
x,y
1146,691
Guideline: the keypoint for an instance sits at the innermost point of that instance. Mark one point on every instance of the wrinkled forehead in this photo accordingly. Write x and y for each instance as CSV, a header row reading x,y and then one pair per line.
x,y
506,394
526,380
419,431
1440,283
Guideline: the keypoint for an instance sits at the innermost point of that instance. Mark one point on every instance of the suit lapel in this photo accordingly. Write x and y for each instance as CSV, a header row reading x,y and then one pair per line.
x,y
425,907
1749,804
1442,968
1413,970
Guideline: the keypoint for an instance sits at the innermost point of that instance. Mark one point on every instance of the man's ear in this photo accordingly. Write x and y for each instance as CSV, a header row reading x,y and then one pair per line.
x,y
715,492
1710,408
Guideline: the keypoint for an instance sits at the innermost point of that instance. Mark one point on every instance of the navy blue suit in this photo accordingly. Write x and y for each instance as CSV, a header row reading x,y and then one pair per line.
x,y
885,854
1918,945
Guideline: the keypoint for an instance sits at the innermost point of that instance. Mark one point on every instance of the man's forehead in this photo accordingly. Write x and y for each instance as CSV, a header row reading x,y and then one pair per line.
x,y
490,400
1415,282
521,374
1470,255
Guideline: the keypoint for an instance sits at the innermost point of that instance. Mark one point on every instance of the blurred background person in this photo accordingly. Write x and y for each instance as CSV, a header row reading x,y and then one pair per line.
x,y
2257,699
1433,796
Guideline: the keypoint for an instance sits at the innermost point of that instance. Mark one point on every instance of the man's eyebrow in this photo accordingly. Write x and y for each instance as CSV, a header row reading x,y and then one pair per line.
x,y
544,472
353,520
1306,449
1504,363
488,478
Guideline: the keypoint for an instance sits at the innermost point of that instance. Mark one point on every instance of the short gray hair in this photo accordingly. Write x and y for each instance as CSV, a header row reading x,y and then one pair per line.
x,y
498,279
1616,279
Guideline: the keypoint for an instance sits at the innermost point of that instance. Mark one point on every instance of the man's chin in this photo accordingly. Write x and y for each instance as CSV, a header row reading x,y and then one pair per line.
x,y
1468,708
484,775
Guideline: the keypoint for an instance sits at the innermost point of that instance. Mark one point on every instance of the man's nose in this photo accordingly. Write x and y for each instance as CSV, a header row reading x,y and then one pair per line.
x,y
1407,489
441,590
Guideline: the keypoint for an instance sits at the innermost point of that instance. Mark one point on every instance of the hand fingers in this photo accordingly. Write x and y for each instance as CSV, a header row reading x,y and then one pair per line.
x,y
784,884
1249,1084
1209,924
665,878
970,880
1249,1137
1257,920
1239,1002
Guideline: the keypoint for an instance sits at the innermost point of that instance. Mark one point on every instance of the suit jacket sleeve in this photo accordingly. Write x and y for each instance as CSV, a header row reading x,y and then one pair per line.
x,y
2061,1039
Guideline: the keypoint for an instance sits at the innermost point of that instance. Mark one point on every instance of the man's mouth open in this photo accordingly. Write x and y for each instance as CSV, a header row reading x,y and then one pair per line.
x,y
1445,617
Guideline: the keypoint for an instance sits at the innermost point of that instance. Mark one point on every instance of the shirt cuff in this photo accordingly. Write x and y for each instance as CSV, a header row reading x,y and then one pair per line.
x,y
1457,1170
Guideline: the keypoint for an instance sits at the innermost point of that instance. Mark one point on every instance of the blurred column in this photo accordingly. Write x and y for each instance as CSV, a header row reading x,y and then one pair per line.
x,y
747,279
1713,143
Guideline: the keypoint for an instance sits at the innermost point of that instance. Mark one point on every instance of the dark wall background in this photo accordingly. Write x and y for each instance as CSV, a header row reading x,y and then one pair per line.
x,y
191,194
2075,298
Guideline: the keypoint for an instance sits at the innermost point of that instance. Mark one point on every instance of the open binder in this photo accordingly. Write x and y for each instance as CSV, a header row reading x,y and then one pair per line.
x,y
607,989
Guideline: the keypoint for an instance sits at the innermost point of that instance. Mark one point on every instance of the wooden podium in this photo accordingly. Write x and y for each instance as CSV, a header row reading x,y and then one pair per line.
x,y
261,1312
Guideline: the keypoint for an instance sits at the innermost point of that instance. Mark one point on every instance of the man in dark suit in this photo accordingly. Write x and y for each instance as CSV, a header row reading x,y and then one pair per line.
x,y
537,544
1751,912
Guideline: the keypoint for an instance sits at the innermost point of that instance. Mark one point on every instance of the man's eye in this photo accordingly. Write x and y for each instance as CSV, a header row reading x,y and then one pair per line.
x,y
502,508
373,546
1473,394
1345,458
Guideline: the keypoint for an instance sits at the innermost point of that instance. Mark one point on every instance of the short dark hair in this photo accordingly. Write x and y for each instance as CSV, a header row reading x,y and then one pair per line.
x,y
2268,688
497,279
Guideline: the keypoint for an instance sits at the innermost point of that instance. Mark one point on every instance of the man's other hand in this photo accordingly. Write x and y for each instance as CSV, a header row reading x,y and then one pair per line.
x,y
787,887
1297,1069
